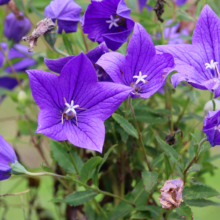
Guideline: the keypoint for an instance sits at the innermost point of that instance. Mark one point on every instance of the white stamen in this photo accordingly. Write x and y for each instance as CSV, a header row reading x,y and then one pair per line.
x,y
211,65
71,107
140,78
113,22
217,128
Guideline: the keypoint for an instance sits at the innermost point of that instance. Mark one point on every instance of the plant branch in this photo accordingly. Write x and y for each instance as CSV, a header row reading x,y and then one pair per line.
x,y
15,194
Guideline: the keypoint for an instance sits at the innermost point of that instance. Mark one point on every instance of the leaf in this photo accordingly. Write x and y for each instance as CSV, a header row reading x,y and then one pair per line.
x,y
206,146
36,12
154,210
174,216
46,169
168,169
158,161
67,43
199,192
89,168
19,4
150,125
171,153
23,126
195,168
201,202
149,179
127,126
185,211
141,215
78,198
191,150
62,157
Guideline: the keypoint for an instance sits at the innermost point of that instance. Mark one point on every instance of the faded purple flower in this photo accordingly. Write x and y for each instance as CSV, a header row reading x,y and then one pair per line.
x,y
141,69
56,65
108,21
67,14
198,64
15,29
7,155
18,51
2,2
180,2
74,105
142,4
212,127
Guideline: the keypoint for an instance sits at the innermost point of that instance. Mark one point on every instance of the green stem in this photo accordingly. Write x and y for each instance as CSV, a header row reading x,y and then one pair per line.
x,y
139,133
213,102
100,208
44,174
71,157
162,35
171,114
168,213
183,111
60,52
160,215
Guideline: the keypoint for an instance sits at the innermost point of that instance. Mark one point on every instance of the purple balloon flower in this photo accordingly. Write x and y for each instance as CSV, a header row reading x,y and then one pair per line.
x,y
74,105
2,2
212,127
198,64
67,14
180,2
108,21
142,4
7,154
56,65
141,69
16,29
17,51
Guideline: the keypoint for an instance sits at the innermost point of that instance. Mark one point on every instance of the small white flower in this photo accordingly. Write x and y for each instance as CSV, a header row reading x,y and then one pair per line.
x,y
71,107
140,78
113,22
211,65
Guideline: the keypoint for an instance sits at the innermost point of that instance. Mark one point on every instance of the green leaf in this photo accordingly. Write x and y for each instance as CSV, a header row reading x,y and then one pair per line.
x,y
89,168
199,192
154,210
185,211
141,215
46,169
150,125
78,198
127,126
158,161
195,168
35,11
168,169
206,146
62,157
201,203
23,126
170,152
191,150
182,15
19,4
149,179
174,216
67,43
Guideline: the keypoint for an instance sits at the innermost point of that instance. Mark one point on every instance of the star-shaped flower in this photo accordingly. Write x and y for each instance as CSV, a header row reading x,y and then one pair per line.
x,y
193,61
74,105
140,58
113,32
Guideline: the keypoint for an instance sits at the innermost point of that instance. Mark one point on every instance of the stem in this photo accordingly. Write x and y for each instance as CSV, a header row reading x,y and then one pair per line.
x,y
44,174
60,52
213,102
12,68
15,194
71,157
171,114
100,208
168,213
84,41
161,32
183,111
139,133
194,159
161,213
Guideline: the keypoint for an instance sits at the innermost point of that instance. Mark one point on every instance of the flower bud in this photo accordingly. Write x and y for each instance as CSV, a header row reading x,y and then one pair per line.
x,y
209,106
171,194
17,168
22,97
51,37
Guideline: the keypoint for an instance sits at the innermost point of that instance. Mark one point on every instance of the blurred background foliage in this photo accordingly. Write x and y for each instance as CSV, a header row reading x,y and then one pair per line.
x,y
36,204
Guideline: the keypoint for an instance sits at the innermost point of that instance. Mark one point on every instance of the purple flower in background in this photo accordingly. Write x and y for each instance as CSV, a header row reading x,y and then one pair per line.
x,y
17,51
198,64
74,105
7,154
56,65
108,21
180,2
212,127
142,4
2,2
67,14
141,69
16,29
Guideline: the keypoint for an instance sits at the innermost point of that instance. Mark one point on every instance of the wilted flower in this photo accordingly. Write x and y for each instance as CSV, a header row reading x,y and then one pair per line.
x,y
15,29
198,64
56,65
141,69
7,155
67,14
171,194
42,27
108,21
212,127
74,105
2,2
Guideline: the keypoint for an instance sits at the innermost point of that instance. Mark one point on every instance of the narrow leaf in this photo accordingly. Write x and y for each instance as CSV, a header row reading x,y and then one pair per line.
x,y
67,44
168,169
185,211
201,203
195,168
149,179
158,161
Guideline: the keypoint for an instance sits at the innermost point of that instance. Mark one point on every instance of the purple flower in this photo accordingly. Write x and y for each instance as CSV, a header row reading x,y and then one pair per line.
x,y
212,127
198,64
109,21
56,65
142,4
7,154
17,51
67,14
180,2
141,69
16,29
74,105
2,2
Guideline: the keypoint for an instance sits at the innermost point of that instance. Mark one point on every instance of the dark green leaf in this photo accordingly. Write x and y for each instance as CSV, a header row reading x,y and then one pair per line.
x,y
149,179
168,169
141,215
127,126
185,211
158,161
201,202
154,210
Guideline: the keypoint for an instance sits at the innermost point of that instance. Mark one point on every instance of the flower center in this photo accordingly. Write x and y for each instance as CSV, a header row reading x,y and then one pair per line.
x,y
217,128
139,82
113,22
140,78
213,66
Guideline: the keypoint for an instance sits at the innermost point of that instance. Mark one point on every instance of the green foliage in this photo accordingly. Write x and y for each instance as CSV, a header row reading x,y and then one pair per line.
x,y
185,211
149,179
67,43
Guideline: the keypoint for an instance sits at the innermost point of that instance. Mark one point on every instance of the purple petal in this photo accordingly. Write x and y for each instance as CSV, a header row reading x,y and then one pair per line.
x,y
2,2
